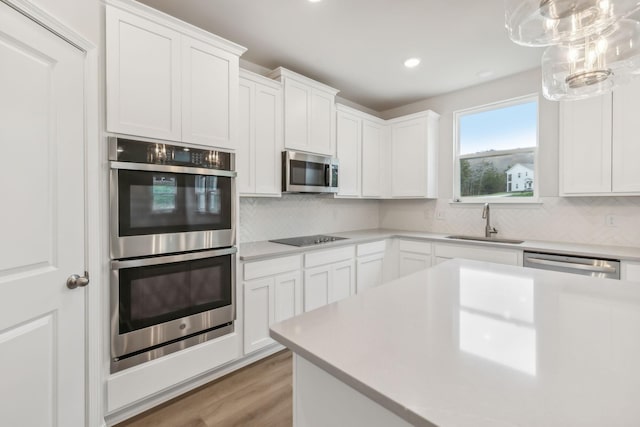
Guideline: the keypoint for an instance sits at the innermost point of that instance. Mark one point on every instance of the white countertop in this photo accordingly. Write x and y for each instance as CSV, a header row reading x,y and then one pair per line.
x,y
468,343
259,250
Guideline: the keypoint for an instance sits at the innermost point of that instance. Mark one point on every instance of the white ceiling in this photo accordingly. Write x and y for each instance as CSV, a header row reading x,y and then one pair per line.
x,y
359,46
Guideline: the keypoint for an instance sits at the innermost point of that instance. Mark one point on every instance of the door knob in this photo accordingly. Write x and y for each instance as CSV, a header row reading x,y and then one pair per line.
x,y
75,281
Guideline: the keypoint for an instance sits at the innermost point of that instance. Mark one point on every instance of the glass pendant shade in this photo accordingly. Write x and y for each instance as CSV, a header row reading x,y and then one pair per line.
x,y
593,66
547,22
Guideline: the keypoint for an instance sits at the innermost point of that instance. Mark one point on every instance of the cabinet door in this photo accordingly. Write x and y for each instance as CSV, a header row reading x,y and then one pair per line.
x,y
245,158
323,123
372,140
369,272
348,149
258,313
209,94
297,115
287,297
408,158
411,262
585,146
316,287
268,140
626,149
342,281
143,77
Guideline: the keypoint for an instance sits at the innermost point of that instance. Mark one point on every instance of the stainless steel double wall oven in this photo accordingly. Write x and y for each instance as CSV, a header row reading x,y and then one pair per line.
x,y
172,214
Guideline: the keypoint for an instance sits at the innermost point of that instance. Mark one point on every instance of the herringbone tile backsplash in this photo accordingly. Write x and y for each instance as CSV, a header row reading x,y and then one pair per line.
x,y
303,214
577,220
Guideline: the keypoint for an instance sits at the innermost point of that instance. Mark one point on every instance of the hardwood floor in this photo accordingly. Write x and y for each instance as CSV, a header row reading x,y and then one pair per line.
x,y
257,395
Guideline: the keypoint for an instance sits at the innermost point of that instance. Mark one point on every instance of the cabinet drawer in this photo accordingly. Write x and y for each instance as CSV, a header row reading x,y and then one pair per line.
x,y
329,256
371,248
414,246
269,267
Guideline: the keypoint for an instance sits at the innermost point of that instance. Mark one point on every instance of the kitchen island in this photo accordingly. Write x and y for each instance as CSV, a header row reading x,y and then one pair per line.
x,y
469,343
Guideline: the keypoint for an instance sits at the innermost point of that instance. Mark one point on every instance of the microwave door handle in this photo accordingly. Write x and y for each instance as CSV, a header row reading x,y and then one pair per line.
x,y
327,175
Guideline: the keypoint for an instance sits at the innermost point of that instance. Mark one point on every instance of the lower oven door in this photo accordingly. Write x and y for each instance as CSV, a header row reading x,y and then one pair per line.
x,y
156,301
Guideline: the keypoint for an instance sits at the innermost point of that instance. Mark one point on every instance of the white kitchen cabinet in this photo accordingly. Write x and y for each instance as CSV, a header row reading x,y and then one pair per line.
x,y
626,149
630,271
598,144
349,152
414,158
370,265
445,251
258,159
585,146
166,80
209,94
374,172
360,139
272,293
309,113
143,90
329,276
413,256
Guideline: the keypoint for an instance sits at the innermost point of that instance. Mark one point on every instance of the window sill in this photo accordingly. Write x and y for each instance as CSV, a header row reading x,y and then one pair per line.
x,y
472,201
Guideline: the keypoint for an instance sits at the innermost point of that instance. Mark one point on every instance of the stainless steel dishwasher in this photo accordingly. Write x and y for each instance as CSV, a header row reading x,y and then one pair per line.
x,y
594,267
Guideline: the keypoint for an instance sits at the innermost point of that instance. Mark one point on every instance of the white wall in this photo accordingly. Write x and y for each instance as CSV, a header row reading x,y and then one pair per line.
x,y
579,220
300,214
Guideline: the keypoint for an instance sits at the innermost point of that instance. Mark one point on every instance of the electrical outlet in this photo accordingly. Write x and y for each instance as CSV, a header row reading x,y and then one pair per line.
x,y
611,220
440,215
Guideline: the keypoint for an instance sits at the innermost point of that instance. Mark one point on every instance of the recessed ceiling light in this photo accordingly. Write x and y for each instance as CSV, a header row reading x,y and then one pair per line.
x,y
315,1
412,62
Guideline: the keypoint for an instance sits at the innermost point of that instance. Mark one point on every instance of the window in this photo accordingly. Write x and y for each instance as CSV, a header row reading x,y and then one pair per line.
x,y
496,148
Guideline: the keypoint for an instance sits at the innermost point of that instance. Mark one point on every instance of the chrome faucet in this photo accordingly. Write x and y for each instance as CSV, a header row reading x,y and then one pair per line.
x,y
488,229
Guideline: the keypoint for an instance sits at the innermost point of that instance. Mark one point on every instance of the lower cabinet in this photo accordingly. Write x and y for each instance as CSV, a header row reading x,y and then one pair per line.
x,y
444,251
329,276
370,265
413,256
272,293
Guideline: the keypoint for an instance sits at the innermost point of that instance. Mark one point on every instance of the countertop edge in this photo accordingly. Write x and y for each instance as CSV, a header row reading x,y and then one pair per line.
x,y
379,398
564,248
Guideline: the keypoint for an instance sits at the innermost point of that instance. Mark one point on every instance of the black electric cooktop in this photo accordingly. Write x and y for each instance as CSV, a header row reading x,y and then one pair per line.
x,y
315,239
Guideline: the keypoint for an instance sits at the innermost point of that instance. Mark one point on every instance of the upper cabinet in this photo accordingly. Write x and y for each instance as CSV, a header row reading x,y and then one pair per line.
x,y
414,156
360,144
598,144
260,136
169,80
309,113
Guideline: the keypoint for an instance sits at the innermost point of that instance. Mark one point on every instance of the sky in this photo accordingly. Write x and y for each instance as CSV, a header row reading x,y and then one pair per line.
x,y
505,128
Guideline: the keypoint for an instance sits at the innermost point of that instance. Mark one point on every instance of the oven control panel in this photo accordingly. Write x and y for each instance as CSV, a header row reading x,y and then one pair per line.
x,y
155,153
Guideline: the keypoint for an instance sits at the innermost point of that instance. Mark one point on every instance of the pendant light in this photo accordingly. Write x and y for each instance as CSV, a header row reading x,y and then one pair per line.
x,y
547,22
594,65
592,48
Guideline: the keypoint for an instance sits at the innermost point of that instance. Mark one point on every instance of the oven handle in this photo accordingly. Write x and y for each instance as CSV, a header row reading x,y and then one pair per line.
x,y
171,169
118,265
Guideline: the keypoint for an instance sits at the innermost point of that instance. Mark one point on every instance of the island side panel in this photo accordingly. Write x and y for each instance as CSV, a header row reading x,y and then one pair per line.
x,y
320,400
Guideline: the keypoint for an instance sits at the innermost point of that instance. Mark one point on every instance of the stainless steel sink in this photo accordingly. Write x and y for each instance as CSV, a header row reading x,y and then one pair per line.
x,y
486,239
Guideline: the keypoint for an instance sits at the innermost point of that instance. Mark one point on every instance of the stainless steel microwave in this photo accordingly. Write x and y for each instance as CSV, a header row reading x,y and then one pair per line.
x,y
309,173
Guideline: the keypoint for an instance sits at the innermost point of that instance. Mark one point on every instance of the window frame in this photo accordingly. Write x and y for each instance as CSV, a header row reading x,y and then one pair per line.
x,y
457,198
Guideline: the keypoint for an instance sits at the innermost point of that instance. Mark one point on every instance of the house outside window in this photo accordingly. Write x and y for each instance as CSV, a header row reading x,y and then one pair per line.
x,y
495,152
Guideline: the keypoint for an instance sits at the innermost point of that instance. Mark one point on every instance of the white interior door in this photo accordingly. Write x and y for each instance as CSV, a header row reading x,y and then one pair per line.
x,y
41,226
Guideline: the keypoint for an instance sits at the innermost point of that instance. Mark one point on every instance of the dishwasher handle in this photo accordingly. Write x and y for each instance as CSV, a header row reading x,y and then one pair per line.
x,y
595,268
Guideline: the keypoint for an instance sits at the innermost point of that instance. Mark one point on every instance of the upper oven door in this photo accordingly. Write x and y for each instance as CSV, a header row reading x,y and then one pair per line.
x,y
160,209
